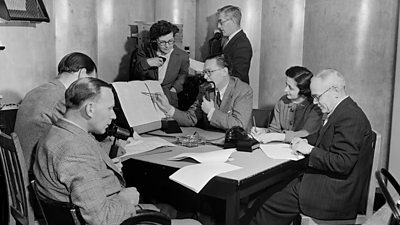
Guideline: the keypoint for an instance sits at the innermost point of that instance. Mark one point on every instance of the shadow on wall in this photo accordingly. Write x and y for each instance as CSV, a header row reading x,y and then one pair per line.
x,y
125,63
211,26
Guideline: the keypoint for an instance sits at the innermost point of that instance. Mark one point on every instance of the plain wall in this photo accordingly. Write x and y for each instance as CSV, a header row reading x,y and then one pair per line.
x,y
358,38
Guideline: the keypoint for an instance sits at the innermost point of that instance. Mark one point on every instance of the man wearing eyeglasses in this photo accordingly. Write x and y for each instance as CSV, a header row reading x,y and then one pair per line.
x,y
231,105
162,60
338,166
234,44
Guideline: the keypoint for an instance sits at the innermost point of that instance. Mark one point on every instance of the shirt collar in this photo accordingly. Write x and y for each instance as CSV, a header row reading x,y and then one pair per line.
x,y
73,123
232,35
341,100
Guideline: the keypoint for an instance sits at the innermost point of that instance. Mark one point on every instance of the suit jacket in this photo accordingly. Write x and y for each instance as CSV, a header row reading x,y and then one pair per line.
x,y
40,108
235,109
175,76
238,53
71,166
339,167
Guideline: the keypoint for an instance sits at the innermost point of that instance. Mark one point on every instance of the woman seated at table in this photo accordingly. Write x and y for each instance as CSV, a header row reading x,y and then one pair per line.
x,y
295,115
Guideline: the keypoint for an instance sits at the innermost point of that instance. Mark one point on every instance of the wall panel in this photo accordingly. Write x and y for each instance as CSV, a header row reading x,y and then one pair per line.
x,y
358,38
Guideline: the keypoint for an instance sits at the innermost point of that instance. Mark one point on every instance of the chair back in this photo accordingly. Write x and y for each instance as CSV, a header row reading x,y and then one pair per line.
x,y
395,207
16,175
57,212
263,117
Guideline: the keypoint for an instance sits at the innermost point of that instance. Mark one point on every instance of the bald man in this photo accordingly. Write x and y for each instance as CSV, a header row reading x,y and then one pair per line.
x,y
338,165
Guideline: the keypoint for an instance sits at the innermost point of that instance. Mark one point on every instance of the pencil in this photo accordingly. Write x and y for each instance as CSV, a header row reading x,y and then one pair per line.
x,y
254,124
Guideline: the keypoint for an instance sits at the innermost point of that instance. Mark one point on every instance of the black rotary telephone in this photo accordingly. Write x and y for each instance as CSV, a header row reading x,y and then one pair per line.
x,y
207,89
237,137
118,133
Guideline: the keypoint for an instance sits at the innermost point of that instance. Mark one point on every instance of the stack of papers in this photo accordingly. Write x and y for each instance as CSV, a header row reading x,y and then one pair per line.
x,y
145,144
195,177
280,151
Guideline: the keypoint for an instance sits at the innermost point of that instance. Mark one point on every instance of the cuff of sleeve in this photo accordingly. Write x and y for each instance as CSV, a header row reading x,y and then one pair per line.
x,y
171,112
210,114
289,135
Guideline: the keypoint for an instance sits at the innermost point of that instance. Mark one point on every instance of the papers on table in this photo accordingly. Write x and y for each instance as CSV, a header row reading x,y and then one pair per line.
x,y
206,157
196,65
280,151
145,144
195,177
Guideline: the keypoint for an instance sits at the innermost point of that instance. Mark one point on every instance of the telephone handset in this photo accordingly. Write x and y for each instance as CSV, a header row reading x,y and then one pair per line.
x,y
207,89
119,133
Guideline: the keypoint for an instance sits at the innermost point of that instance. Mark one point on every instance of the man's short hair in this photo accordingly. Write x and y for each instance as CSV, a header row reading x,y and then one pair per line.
x,y
75,61
333,76
82,90
220,61
232,12
162,28
302,76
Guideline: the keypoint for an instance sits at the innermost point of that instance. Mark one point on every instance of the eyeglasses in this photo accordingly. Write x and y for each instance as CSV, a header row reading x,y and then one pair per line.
x,y
164,43
209,72
317,97
221,22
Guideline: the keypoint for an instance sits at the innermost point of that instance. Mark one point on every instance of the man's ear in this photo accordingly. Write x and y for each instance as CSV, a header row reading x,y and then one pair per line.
x,y
89,109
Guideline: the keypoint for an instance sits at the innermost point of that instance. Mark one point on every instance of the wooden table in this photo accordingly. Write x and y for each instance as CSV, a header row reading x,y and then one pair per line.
x,y
258,172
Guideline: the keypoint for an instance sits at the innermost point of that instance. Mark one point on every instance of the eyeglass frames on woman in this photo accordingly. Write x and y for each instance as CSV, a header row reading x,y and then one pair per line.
x,y
164,43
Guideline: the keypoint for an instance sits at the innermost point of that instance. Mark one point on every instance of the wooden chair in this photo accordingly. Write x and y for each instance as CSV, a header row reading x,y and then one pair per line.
x,y
394,206
16,174
361,218
263,117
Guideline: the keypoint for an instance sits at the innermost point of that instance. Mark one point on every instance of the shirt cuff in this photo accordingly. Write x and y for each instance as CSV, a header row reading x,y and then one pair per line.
x,y
171,112
210,114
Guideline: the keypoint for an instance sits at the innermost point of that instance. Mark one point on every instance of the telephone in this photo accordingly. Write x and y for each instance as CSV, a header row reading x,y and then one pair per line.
x,y
118,133
237,137
207,89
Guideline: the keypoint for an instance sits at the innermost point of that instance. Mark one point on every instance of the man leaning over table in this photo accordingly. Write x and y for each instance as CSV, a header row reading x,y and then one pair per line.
x,y
232,108
72,167
337,167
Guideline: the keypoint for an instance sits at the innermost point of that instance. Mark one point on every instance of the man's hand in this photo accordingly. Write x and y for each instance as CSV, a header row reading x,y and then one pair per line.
x,y
301,145
130,194
162,102
206,106
255,131
155,62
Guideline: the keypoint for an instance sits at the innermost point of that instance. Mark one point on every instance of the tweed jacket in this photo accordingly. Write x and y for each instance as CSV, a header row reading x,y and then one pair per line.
x,y
175,76
235,109
40,108
71,166
339,167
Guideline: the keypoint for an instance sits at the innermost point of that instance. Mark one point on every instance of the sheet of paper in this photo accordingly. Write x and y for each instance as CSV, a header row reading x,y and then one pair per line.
x,y
206,157
196,65
195,177
144,144
280,151
139,109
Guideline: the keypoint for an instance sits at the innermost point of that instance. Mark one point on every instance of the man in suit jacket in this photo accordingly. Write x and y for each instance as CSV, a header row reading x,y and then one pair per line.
x,y
232,108
44,105
161,60
235,45
338,166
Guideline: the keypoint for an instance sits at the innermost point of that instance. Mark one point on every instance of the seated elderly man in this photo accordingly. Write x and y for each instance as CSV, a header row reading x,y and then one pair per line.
x,y
337,167
71,166
230,106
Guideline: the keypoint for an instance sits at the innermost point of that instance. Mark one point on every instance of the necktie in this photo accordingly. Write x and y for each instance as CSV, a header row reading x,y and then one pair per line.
x,y
218,99
224,41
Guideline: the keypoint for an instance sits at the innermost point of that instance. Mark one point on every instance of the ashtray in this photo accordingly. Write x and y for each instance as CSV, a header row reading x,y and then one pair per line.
x,y
193,140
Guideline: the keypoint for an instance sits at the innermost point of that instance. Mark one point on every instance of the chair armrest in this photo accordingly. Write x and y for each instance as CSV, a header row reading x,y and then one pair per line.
x,y
146,215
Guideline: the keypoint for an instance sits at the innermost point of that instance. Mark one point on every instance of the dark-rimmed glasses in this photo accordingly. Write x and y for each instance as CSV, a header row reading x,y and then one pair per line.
x,y
209,72
317,97
164,43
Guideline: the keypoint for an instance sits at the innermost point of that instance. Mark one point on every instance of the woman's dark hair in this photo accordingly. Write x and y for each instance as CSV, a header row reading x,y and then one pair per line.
x,y
83,89
75,61
302,76
162,28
